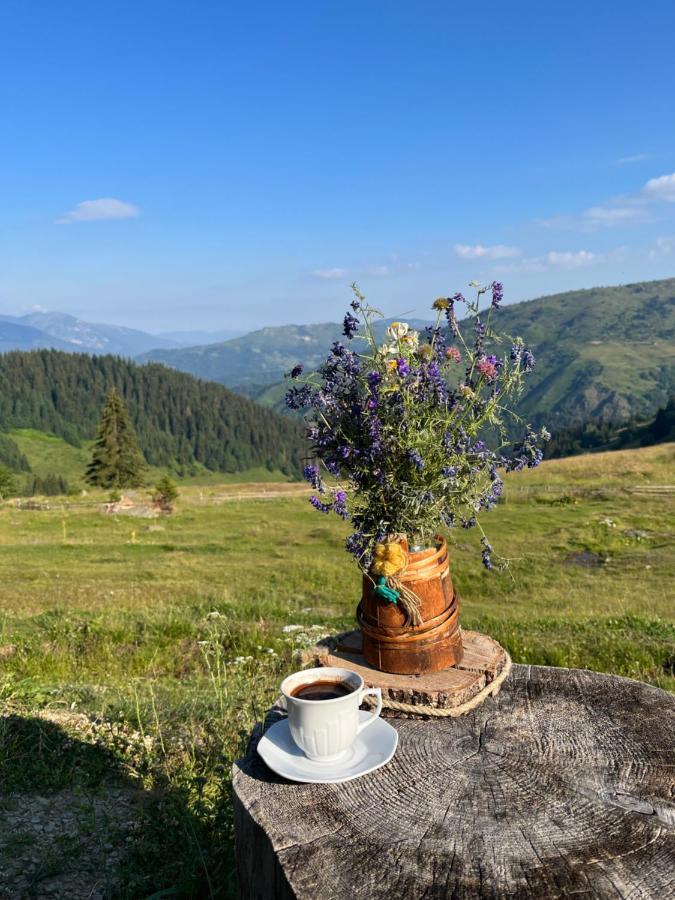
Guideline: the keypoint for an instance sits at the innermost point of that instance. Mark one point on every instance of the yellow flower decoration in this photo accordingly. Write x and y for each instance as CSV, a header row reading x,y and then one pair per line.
x,y
389,559
441,303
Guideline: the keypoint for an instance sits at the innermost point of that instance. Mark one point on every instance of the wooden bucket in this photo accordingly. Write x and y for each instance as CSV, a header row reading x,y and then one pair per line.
x,y
391,645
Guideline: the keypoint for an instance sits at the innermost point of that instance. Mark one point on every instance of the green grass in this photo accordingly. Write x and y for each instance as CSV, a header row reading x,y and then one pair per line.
x,y
49,454
168,633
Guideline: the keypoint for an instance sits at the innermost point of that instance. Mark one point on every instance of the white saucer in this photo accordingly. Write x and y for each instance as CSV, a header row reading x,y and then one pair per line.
x,y
374,747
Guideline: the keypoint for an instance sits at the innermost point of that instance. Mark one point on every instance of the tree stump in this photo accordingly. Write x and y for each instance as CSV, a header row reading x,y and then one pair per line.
x,y
563,784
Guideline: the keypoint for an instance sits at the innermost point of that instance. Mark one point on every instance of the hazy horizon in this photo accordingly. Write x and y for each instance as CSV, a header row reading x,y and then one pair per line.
x,y
419,312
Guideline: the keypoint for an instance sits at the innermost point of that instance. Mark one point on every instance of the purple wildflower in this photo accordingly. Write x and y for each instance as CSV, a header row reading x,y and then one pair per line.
x,y
298,398
374,378
528,361
356,544
295,371
479,331
350,326
450,316
449,471
415,459
497,293
311,473
402,367
486,553
332,465
340,504
318,505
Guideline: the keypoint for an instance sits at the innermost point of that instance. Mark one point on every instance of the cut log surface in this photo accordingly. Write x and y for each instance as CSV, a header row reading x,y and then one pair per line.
x,y
563,785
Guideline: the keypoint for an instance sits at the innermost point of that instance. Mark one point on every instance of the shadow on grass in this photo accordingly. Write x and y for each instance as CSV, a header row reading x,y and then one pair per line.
x,y
77,821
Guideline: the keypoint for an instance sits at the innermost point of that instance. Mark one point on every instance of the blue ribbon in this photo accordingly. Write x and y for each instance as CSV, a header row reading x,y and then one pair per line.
x,y
383,590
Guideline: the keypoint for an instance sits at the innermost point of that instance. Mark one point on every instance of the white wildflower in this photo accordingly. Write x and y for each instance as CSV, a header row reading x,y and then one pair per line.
x,y
387,350
397,330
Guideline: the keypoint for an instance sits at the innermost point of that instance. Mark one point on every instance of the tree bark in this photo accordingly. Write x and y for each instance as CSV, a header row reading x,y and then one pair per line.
x,y
561,785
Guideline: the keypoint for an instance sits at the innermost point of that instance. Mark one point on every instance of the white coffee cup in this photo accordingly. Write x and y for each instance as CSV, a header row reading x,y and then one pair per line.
x,y
324,729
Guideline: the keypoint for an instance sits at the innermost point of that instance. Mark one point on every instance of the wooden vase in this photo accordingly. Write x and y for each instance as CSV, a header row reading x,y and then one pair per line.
x,y
390,643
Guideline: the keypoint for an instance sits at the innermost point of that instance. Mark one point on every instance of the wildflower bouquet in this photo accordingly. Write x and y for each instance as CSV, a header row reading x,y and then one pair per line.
x,y
403,425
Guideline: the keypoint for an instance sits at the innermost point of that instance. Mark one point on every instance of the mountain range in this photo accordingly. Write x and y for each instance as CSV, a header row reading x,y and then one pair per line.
x,y
60,331
252,362
606,353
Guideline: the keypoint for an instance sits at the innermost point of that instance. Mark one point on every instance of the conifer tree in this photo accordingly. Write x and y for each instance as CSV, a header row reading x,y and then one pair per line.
x,y
7,484
117,461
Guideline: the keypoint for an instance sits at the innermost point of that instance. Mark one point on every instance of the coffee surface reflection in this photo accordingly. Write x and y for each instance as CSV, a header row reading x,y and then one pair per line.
x,y
322,690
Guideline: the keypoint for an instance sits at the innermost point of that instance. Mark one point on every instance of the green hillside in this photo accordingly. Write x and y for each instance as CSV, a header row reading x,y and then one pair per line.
x,y
47,454
50,403
249,363
604,354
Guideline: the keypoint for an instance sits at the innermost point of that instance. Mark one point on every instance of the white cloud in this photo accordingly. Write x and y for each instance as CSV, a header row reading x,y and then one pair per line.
x,y
598,216
478,251
663,246
662,188
636,157
330,274
602,216
339,273
98,210
571,260
631,209
554,259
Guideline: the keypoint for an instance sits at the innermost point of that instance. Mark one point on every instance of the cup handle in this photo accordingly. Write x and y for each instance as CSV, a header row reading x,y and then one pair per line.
x,y
378,709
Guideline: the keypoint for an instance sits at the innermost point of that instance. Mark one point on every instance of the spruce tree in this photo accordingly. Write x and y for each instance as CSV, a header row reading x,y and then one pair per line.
x,y
117,461
7,483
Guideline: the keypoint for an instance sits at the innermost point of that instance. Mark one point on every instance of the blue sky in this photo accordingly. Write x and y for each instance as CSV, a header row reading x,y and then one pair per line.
x,y
172,165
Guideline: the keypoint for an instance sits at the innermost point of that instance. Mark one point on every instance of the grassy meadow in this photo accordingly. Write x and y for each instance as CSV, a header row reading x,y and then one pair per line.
x,y
136,654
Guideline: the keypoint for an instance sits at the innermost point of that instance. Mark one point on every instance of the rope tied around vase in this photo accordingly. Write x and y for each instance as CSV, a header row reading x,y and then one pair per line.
x,y
389,565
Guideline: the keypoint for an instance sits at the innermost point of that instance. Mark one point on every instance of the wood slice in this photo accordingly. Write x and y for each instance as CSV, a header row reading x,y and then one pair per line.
x,y
482,662
562,786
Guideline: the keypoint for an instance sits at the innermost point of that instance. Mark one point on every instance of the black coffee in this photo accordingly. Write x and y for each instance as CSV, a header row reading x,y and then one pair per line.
x,y
322,690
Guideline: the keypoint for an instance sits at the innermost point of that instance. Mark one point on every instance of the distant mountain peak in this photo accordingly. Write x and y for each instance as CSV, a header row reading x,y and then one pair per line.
x,y
62,331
